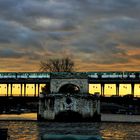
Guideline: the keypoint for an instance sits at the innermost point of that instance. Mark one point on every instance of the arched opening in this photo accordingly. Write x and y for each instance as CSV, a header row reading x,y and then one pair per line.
x,y
69,88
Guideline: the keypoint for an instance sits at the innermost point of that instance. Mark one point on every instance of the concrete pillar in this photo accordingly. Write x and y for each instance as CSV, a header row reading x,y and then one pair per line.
x,y
38,88
132,88
117,89
24,89
35,90
7,89
11,89
102,89
21,89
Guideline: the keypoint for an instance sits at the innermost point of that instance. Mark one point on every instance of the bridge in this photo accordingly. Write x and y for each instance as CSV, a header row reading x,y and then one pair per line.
x,y
22,84
26,84
21,89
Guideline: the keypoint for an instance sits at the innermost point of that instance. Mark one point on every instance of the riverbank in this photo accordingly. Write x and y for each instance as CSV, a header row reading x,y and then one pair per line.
x,y
104,117
120,118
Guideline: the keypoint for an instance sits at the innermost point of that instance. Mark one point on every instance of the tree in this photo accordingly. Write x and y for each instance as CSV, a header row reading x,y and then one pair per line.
x,y
65,64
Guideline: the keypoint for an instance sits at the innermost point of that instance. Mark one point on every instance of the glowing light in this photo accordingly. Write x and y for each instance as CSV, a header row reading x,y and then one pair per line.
x,y
137,90
15,90
93,88
3,90
109,89
124,89
18,89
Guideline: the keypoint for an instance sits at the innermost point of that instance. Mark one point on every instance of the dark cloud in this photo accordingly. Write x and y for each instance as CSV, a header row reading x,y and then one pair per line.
x,y
92,30
14,54
132,40
10,53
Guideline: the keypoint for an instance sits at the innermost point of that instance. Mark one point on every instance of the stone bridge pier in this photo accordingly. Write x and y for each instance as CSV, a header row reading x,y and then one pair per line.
x,y
69,100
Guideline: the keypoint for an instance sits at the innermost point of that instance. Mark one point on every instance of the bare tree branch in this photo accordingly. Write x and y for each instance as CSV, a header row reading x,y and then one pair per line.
x,y
57,65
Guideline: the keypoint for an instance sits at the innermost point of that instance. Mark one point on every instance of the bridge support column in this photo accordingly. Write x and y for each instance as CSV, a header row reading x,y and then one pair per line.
x,y
38,88
7,89
132,88
35,90
102,89
21,89
11,89
24,90
117,89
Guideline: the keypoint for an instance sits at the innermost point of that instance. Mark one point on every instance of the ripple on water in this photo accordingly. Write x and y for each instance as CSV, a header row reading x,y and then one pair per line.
x,y
27,130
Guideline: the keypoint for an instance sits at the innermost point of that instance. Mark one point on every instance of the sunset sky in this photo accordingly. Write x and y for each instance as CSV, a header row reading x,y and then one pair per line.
x,y
100,35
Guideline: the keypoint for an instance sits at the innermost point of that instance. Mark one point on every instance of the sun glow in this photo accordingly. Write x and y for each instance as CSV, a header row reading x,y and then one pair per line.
x,y
94,88
137,90
3,89
110,89
32,89
124,89
20,89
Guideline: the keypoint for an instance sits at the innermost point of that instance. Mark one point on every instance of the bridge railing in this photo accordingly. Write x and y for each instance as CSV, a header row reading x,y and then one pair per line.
x,y
24,75
95,75
113,75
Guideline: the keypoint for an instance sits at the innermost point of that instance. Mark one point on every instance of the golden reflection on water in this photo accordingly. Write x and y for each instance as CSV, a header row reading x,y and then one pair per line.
x,y
114,134
19,129
25,116
120,131
33,130
23,131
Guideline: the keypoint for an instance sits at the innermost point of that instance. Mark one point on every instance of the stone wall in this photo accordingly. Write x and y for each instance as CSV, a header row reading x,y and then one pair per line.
x,y
56,84
53,105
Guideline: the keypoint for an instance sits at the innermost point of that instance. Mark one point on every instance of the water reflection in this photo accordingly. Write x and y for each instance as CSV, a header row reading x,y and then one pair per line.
x,y
70,128
112,131
25,116
21,130
120,131
32,130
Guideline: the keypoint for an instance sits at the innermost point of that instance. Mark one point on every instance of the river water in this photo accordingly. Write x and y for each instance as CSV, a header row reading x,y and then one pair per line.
x,y
32,130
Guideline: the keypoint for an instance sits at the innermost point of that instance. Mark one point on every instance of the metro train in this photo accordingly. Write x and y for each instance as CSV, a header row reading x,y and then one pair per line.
x,y
95,75
24,75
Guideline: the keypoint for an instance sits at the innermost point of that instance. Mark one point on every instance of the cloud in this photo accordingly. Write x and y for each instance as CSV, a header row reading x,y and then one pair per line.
x,y
93,31
9,53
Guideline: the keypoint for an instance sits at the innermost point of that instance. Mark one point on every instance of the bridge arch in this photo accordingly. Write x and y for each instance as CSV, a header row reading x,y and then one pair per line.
x,y
57,85
69,88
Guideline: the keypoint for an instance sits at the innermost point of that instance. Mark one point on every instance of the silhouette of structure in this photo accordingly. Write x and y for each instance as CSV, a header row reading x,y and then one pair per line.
x,y
69,99
22,81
